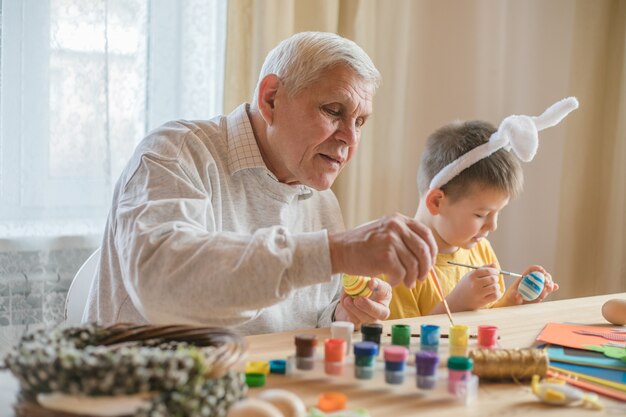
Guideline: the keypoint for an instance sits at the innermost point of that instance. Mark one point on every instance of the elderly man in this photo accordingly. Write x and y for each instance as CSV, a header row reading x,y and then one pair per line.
x,y
231,221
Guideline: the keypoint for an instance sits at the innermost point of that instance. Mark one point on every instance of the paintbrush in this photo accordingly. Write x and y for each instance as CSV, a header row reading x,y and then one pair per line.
x,y
513,274
444,336
441,297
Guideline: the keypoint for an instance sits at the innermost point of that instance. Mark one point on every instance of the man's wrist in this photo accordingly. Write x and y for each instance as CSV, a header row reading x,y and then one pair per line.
x,y
336,258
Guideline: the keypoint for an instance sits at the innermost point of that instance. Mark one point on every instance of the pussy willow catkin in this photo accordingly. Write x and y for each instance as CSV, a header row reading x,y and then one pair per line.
x,y
517,364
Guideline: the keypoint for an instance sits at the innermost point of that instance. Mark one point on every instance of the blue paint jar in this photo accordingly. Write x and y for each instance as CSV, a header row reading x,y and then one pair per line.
x,y
364,359
429,337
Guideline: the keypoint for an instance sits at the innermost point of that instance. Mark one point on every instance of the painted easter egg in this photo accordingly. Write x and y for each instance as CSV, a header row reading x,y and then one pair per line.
x,y
614,311
531,286
356,285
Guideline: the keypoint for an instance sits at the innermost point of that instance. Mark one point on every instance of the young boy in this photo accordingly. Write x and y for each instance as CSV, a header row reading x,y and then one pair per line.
x,y
461,214
468,173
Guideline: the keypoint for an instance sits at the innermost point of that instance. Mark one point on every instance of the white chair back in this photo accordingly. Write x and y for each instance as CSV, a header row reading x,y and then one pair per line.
x,y
76,300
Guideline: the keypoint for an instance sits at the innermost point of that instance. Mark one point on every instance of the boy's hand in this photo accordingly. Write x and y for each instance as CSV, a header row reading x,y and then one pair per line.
x,y
476,289
360,310
512,297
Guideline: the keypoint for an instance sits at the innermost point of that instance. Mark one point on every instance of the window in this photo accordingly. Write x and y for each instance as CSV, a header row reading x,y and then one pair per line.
x,y
81,82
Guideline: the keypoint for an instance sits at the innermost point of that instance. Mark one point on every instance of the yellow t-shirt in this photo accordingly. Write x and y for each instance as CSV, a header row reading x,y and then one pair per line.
x,y
419,301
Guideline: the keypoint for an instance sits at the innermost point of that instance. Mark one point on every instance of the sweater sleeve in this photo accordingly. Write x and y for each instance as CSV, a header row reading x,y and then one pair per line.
x,y
177,266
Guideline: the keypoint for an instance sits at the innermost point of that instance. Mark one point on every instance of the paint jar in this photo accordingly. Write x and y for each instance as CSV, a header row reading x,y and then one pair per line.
x,y
459,336
364,359
401,335
426,369
461,383
487,336
255,380
257,367
305,351
395,364
330,402
342,330
371,333
256,373
334,356
278,366
429,337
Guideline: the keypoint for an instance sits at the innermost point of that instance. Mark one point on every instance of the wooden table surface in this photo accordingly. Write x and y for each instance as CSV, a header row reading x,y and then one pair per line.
x,y
517,327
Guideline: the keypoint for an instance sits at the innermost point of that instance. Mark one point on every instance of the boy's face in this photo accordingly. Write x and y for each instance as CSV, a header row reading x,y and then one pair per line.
x,y
466,221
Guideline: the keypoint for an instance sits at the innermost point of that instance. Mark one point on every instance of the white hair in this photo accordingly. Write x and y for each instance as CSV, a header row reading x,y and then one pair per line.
x,y
303,58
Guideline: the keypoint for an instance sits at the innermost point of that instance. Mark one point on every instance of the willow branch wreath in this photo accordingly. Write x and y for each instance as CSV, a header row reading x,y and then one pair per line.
x,y
185,370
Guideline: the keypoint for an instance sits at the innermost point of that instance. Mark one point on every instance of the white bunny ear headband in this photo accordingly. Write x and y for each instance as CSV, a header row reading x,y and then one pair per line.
x,y
519,133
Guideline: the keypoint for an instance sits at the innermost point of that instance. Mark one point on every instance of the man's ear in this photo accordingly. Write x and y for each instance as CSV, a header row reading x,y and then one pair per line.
x,y
267,97
434,199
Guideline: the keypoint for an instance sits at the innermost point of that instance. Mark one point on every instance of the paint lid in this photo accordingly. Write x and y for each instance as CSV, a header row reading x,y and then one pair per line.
x,y
257,367
460,363
278,366
334,350
305,345
341,329
365,349
459,333
426,362
396,353
401,334
487,336
372,328
306,340
255,380
429,334
332,401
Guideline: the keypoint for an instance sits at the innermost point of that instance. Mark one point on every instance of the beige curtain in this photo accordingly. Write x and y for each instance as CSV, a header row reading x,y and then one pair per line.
x,y
443,60
256,26
591,234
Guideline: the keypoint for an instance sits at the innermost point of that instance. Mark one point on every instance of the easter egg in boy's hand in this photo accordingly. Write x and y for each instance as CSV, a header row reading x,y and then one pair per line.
x,y
531,286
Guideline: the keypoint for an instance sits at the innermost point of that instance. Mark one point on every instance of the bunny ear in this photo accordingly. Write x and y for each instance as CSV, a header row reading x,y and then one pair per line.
x,y
520,134
555,113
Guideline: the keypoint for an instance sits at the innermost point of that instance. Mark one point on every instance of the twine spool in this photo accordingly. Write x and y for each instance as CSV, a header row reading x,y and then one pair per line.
x,y
516,364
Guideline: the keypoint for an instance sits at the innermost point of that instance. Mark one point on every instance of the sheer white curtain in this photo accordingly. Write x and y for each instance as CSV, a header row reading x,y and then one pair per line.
x,y
82,81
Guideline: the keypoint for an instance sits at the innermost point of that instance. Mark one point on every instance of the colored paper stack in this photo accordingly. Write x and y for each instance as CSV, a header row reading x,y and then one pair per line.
x,y
590,357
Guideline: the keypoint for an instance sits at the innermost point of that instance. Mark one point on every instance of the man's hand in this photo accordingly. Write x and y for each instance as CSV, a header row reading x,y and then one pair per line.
x,y
398,246
360,310
475,290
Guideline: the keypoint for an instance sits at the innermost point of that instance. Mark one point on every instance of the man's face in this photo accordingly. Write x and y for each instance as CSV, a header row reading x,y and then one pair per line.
x,y
314,134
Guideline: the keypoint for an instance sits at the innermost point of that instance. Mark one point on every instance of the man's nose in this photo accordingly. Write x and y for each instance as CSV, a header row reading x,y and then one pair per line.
x,y
348,133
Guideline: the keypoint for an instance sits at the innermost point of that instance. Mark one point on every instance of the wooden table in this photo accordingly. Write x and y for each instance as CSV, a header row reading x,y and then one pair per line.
x,y
518,327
